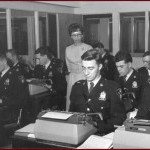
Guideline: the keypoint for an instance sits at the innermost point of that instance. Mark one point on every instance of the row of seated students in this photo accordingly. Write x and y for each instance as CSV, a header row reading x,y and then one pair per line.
x,y
14,90
130,88
50,69
134,82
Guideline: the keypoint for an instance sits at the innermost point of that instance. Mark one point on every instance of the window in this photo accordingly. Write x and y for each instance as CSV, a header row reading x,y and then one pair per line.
x,y
98,27
3,32
132,32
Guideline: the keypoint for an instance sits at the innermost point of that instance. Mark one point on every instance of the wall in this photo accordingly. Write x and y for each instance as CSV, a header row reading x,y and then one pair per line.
x,y
115,7
64,21
36,6
137,62
97,7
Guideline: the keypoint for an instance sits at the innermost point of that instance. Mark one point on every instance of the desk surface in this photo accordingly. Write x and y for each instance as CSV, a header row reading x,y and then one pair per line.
x,y
24,138
25,142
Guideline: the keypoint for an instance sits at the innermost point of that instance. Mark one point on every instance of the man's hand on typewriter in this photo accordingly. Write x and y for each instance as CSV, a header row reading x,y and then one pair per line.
x,y
49,87
90,121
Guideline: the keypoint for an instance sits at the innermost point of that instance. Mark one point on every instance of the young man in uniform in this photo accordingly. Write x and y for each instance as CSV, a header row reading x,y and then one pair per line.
x,y
12,95
129,80
51,71
97,95
23,69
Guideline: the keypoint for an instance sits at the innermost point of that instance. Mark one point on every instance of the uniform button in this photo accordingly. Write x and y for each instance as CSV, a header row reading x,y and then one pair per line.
x,y
88,109
89,100
102,107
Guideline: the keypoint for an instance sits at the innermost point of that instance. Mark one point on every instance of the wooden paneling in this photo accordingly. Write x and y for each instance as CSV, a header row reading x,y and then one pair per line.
x,y
64,21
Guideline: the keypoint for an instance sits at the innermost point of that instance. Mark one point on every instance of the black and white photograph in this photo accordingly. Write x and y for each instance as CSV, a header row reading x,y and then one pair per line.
x,y
75,74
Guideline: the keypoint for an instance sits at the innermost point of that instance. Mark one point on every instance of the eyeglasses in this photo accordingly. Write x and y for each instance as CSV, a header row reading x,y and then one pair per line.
x,y
76,35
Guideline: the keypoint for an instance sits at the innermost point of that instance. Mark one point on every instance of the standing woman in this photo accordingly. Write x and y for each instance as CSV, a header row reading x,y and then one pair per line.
x,y
73,57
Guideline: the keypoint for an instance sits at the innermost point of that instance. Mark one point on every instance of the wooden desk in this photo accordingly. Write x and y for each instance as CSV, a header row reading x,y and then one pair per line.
x,y
38,102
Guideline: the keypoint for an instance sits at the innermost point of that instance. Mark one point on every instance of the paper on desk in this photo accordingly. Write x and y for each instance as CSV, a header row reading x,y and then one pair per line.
x,y
57,115
27,129
132,114
109,136
96,142
31,135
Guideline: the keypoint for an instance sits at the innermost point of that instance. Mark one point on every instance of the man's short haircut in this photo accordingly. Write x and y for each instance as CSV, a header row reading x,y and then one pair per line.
x,y
44,50
97,44
92,54
121,55
12,51
74,27
147,53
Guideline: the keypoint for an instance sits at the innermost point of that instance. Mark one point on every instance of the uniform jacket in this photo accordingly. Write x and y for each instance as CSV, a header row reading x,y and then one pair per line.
x,y
144,107
22,70
53,73
12,89
109,70
132,85
144,75
104,98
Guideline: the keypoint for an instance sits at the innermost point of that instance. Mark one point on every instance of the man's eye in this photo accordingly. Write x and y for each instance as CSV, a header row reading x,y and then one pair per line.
x,y
91,68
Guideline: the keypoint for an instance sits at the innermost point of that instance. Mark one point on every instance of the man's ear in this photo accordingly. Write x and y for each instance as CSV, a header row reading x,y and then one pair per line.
x,y
129,64
100,66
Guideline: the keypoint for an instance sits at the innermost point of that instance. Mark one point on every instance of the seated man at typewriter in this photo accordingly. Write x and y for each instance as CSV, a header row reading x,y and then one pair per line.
x,y
17,64
129,80
97,95
12,95
49,70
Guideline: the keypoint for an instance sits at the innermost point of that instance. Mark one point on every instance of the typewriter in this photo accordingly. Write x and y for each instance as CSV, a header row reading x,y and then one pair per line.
x,y
65,127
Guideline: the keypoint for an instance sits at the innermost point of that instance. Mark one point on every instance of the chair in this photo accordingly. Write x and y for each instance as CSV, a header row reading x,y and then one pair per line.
x,y
16,121
10,120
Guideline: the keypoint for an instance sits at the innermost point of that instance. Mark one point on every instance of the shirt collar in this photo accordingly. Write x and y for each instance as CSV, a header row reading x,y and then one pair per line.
x,y
95,81
129,74
4,71
47,64
148,72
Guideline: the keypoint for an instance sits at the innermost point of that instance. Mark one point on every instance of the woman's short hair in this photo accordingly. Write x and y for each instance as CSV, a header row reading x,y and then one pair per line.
x,y
74,27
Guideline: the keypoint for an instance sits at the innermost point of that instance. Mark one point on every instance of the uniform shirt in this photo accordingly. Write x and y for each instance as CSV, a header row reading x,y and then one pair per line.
x,y
132,85
3,72
46,66
94,82
128,75
104,98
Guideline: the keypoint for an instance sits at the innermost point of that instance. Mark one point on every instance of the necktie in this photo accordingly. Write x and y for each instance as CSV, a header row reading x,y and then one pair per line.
x,y
124,78
91,86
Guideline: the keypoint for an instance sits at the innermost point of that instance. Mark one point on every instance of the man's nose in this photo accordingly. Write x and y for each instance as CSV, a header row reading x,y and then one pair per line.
x,y
86,72
118,68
